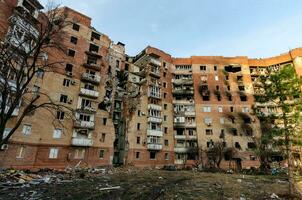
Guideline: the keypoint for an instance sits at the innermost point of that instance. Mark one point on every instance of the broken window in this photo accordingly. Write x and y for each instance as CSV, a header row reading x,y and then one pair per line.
x,y
60,115
243,97
138,140
237,145
234,131
232,68
95,36
152,155
93,48
104,121
209,132
101,153
76,27
63,98
203,68
241,88
71,53
138,126
137,155
251,145
73,40
103,137
66,82
166,142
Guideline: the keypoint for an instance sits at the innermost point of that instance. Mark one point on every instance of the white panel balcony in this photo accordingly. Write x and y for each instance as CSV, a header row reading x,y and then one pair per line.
x,y
179,161
180,149
91,77
87,109
180,137
84,124
185,102
89,93
190,113
192,137
153,146
191,125
155,61
157,133
155,119
83,142
154,107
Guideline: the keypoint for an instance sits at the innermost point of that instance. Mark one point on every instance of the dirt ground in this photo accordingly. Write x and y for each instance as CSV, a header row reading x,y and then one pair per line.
x,y
156,184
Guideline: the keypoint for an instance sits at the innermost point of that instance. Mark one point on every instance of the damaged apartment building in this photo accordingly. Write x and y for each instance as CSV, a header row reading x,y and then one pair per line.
x,y
146,110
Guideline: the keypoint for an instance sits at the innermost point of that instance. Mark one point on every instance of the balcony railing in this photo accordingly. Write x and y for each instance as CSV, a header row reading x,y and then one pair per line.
x,y
180,137
92,65
83,142
188,81
89,93
156,95
87,109
154,107
191,124
185,101
154,146
91,78
179,124
155,61
157,133
184,91
155,119
180,149
84,124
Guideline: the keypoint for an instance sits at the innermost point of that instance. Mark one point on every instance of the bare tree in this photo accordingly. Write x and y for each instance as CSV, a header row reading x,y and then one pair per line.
x,y
215,154
24,57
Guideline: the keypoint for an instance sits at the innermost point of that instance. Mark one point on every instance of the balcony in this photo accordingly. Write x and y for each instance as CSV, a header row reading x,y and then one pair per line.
x,y
191,124
155,119
91,78
180,149
154,107
157,133
84,124
156,95
180,137
82,142
179,124
93,53
192,137
87,109
155,72
92,65
89,93
185,101
154,146
155,62
184,91
182,81
190,113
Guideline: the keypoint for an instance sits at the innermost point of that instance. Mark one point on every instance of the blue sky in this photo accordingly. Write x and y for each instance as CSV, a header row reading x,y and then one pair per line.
x,y
254,28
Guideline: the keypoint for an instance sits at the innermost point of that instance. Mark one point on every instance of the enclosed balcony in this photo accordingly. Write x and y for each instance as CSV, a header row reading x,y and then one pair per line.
x,y
153,146
83,142
84,124
155,119
89,93
157,133
180,149
94,78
